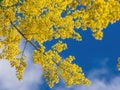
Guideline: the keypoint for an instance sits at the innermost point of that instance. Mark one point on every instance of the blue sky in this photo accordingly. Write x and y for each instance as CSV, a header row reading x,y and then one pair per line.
x,y
97,58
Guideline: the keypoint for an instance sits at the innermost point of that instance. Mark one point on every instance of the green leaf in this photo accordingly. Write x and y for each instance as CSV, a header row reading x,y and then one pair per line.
x,y
1,1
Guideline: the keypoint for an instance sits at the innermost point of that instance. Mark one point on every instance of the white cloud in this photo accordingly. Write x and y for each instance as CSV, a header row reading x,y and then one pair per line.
x,y
32,76
8,80
101,84
98,81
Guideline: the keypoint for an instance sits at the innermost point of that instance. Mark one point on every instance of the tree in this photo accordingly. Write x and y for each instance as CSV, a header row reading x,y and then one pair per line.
x,y
46,20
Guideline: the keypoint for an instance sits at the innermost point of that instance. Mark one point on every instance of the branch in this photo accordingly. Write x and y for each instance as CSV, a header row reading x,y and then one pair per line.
x,y
26,38
24,48
23,35
33,44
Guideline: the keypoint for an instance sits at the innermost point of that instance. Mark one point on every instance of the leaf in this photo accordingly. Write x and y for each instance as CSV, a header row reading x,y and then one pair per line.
x,y
1,1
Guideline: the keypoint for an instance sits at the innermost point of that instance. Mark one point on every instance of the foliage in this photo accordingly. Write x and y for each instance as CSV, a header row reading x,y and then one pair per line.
x,y
1,1
46,20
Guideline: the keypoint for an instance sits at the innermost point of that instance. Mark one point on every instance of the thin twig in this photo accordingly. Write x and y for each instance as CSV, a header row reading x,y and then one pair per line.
x,y
32,34
24,48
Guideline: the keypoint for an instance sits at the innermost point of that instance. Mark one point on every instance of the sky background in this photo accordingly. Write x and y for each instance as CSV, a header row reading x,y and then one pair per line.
x,y
98,60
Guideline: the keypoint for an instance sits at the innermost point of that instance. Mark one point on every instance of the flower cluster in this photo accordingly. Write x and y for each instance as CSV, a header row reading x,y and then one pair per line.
x,y
46,20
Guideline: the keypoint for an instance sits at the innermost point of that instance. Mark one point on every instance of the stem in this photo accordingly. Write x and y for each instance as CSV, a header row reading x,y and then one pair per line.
x,y
32,34
24,48
23,35
33,44
26,39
